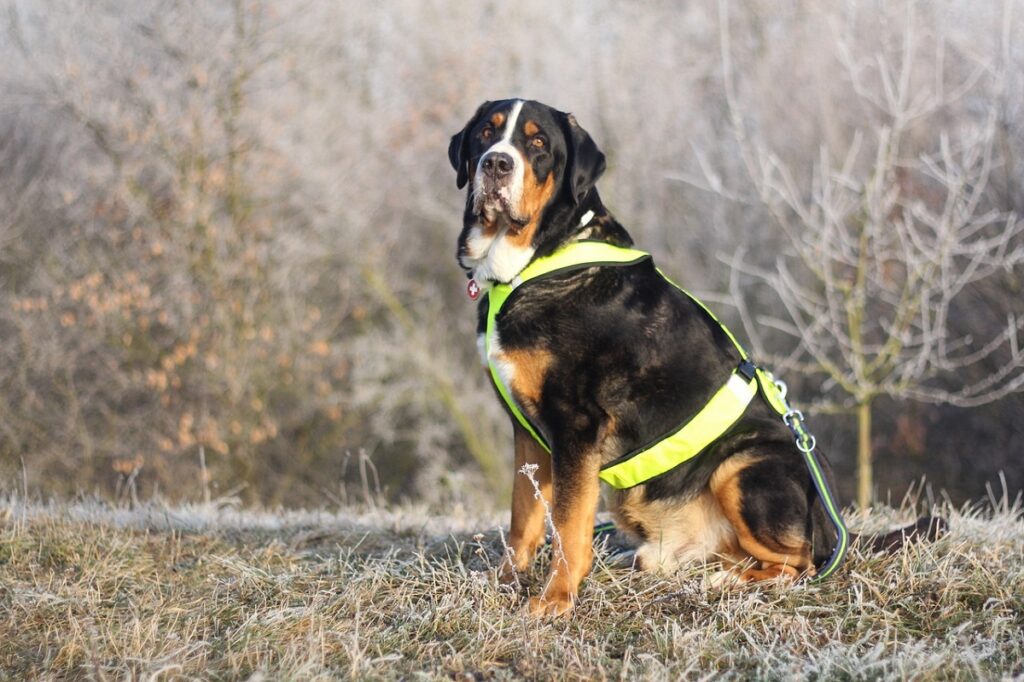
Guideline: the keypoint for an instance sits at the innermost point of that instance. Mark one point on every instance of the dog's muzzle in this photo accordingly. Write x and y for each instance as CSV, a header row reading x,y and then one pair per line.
x,y
499,184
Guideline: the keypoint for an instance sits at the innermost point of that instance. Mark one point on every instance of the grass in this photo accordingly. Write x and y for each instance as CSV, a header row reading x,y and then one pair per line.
x,y
89,590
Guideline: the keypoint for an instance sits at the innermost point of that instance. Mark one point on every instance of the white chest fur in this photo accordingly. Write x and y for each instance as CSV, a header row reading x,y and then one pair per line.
x,y
496,258
496,358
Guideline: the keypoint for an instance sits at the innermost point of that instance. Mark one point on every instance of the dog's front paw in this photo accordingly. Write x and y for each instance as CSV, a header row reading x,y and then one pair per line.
x,y
507,573
550,607
722,580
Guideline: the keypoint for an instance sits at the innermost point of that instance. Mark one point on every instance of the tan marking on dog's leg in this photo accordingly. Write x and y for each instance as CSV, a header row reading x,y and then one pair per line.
x,y
531,368
575,506
792,552
627,507
527,531
769,572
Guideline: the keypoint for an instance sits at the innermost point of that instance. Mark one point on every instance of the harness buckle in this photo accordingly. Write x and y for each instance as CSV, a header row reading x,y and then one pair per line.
x,y
747,369
793,417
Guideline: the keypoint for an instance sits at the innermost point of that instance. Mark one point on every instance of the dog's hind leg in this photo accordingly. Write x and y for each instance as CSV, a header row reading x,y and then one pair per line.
x,y
765,499
528,510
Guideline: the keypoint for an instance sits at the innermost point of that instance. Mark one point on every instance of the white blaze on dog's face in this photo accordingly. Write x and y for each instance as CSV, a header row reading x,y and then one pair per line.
x,y
505,153
498,181
496,196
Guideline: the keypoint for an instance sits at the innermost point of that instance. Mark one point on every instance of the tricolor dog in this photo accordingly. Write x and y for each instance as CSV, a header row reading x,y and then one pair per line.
x,y
611,372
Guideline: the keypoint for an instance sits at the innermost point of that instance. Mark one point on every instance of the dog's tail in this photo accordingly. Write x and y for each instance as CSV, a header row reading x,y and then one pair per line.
x,y
925,528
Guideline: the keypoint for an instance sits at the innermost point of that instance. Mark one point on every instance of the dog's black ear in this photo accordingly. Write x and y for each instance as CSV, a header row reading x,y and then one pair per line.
x,y
586,161
458,148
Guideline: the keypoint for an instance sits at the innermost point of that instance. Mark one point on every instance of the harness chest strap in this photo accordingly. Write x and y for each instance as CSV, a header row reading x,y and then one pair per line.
x,y
723,410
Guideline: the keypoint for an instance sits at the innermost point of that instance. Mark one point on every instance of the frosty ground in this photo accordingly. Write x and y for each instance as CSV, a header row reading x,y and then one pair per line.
x,y
92,590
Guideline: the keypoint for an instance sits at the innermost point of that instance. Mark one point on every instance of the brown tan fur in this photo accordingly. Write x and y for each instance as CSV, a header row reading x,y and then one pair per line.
x,y
498,119
789,555
530,369
574,507
527,530
531,128
535,196
769,572
670,533
489,227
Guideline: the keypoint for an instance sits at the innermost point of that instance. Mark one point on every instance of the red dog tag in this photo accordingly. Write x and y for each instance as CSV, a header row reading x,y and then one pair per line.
x,y
473,290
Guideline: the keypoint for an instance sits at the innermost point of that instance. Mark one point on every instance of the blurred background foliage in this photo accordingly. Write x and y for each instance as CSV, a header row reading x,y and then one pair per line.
x,y
227,228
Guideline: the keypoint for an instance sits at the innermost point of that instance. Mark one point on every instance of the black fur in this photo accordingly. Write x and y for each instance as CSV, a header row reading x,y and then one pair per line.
x,y
586,161
458,148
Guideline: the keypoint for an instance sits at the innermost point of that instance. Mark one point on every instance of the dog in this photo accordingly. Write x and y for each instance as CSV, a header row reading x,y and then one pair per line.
x,y
605,360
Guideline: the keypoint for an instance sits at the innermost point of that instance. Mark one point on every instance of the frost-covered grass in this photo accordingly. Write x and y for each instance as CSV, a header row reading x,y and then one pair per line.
x,y
92,591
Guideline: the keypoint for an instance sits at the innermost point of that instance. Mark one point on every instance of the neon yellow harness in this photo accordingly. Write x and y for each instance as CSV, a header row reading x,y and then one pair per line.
x,y
723,410
726,406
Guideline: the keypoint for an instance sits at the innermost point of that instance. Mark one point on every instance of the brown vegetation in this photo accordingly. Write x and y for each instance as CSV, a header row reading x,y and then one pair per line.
x,y
226,228
96,592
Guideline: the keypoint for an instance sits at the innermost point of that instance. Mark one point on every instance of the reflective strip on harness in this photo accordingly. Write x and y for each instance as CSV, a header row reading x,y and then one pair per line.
x,y
495,299
586,253
721,412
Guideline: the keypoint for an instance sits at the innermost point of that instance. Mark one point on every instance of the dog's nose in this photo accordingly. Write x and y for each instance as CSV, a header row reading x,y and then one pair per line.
x,y
497,165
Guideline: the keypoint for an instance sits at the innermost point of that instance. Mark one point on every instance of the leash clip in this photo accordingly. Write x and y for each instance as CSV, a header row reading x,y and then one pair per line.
x,y
805,440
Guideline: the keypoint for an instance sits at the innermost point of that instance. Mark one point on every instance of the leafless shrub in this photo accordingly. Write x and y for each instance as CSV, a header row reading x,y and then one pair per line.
x,y
889,230
230,225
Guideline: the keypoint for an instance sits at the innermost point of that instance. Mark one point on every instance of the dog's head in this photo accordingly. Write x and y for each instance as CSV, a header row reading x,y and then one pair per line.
x,y
521,159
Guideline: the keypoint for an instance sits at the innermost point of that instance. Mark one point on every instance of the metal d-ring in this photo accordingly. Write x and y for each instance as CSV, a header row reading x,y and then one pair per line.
x,y
782,388
811,441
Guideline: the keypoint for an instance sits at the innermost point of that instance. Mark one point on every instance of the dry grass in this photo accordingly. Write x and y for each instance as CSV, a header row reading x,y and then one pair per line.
x,y
92,591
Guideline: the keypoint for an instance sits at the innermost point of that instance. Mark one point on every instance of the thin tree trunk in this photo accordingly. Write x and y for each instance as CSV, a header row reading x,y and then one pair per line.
x,y
865,479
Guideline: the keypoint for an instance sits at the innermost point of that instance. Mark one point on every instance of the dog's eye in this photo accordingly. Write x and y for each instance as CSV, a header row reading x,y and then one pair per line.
x,y
538,142
487,132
